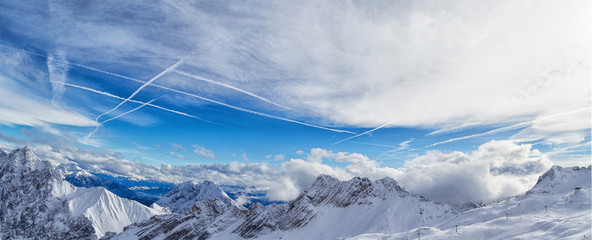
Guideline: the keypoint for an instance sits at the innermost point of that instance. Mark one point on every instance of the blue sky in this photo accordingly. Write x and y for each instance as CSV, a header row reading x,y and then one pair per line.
x,y
260,86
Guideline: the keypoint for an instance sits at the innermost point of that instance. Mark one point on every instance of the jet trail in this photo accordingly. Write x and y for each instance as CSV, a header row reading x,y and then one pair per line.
x,y
143,86
250,111
191,95
131,100
118,116
366,132
229,86
235,107
517,125
374,144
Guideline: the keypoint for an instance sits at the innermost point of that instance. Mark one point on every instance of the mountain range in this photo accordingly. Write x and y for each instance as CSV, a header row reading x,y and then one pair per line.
x,y
36,202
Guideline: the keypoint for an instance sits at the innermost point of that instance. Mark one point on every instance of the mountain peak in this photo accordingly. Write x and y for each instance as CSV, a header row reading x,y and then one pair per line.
x,y
183,197
328,190
23,160
3,153
562,179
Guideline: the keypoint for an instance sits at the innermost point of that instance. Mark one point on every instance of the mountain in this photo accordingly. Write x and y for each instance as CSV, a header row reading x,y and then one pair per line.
x,y
82,178
183,197
557,207
36,202
331,209
205,219
328,209
28,206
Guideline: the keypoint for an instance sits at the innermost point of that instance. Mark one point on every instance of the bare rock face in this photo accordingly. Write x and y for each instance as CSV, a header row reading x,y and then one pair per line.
x,y
261,220
28,209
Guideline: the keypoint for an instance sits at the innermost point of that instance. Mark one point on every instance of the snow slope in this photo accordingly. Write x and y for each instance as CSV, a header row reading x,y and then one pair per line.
x,y
557,207
107,211
36,202
329,209
182,198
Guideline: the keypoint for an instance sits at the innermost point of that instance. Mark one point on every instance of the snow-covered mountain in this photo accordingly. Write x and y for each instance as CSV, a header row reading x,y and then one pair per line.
x,y
331,209
82,178
36,202
183,197
28,206
557,207
328,209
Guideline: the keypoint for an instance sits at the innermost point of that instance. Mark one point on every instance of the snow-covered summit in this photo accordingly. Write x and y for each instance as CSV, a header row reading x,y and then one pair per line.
x,y
36,202
563,179
23,159
327,190
28,205
182,198
3,153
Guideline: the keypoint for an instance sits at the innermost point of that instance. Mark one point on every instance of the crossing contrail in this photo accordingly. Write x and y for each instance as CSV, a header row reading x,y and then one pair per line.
x,y
134,101
188,94
142,87
118,116
366,132
229,86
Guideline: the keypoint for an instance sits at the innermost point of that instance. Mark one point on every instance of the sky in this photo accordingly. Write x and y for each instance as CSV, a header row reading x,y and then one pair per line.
x,y
456,100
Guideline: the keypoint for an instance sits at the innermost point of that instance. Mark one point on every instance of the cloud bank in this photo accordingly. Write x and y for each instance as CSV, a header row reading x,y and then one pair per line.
x,y
494,170
360,64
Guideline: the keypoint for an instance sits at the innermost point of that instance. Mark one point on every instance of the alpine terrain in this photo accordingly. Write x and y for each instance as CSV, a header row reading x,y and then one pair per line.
x,y
557,207
36,202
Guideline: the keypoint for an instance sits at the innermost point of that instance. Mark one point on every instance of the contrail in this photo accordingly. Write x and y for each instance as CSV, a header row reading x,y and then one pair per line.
x,y
517,125
191,95
366,132
131,100
217,102
118,116
374,144
143,86
251,111
242,109
229,86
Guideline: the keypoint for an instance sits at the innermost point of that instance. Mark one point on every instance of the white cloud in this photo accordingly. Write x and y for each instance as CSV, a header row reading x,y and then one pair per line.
x,y
298,174
57,68
178,147
203,152
277,157
26,97
362,63
496,169
179,156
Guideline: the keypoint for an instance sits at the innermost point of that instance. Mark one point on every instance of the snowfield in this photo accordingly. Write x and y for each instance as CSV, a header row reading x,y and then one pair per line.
x,y
557,207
